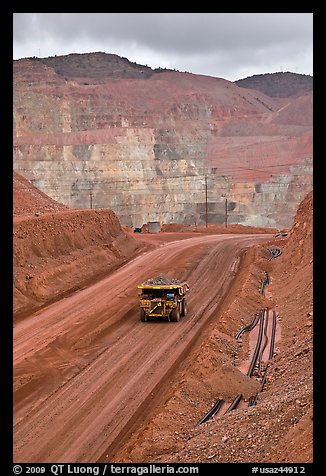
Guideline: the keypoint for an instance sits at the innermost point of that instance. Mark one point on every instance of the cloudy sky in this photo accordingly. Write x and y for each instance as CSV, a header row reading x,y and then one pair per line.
x,y
227,45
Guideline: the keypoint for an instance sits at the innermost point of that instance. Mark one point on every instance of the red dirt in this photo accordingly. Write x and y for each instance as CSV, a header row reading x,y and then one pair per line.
x,y
57,250
28,200
91,382
216,229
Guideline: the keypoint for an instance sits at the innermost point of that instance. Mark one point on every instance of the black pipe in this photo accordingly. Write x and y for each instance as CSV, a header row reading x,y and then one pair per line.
x,y
248,327
264,282
252,400
260,357
271,348
234,404
212,412
275,252
258,344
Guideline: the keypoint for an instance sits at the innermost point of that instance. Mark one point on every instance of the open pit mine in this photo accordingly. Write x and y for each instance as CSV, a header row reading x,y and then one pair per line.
x,y
97,131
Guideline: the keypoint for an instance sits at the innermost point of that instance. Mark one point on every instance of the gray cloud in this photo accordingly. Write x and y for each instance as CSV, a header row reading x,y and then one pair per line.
x,y
228,45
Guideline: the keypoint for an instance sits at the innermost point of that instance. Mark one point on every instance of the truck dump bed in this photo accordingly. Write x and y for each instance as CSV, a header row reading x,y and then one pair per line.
x,y
183,287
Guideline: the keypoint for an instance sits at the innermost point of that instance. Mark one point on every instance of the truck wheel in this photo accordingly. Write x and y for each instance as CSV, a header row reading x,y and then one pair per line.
x,y
143,315
184,308
175,314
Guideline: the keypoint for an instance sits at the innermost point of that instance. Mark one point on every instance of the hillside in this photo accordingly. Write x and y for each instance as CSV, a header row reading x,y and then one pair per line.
x,y
96,65
88,125
278,85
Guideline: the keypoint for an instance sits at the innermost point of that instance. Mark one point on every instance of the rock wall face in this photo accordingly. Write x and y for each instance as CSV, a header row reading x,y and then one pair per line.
x,y
160,146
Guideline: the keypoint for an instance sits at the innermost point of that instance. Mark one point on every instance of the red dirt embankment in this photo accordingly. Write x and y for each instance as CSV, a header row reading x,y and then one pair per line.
x,y
292,369
28,200
57,250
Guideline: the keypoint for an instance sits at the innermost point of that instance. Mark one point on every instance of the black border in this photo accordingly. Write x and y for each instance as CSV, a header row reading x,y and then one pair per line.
x,y
6,347
6,177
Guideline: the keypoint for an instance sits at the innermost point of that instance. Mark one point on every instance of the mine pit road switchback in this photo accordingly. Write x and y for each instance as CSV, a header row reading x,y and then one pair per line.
x,y
87,370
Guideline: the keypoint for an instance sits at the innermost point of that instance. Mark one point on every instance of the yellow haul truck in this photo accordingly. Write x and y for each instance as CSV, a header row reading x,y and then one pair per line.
x,y
163,297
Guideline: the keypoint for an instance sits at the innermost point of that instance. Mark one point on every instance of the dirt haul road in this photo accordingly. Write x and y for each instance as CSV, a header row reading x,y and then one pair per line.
x,y
86,369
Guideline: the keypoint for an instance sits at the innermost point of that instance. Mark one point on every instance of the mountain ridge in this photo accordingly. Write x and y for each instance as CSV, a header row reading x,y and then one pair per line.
x,y
99,64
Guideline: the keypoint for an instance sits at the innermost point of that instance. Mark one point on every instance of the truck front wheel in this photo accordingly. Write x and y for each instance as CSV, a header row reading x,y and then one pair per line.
x,y
184,308
175,314
143,315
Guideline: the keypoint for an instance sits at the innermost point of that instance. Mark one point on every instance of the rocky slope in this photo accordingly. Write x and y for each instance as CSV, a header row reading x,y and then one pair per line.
x,y
95,130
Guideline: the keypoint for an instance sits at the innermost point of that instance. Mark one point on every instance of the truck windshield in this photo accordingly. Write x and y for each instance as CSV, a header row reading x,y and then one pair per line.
x,y
170,295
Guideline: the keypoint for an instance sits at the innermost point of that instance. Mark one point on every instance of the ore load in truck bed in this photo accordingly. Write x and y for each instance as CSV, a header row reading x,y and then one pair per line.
x,y
161,280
